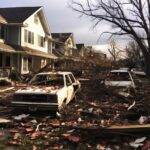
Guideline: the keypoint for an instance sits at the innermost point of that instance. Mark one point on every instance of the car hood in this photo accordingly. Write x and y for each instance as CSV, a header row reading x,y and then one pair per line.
x,y
38,90
119,83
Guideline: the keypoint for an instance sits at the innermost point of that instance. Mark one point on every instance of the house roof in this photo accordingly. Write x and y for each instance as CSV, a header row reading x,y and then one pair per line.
x,y
24,50
17,14
58,53
61,37
34,52
6,48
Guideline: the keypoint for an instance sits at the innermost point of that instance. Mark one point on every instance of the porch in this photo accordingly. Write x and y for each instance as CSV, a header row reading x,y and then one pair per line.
x,y
23,59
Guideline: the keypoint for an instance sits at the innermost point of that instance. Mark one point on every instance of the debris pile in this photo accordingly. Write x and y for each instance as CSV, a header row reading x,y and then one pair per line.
x,y
98,119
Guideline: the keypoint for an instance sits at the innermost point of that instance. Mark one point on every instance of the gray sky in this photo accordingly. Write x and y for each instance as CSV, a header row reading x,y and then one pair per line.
x,y
62,19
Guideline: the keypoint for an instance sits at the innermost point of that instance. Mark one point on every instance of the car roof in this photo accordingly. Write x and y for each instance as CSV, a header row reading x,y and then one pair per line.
x,y
59,72
120,70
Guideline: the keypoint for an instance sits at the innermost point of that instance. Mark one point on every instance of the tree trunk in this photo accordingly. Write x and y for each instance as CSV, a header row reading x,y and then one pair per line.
x,y
147,65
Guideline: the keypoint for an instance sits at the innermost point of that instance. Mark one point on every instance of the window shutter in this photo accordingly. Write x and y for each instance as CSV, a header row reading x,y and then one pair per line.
x,y
25,35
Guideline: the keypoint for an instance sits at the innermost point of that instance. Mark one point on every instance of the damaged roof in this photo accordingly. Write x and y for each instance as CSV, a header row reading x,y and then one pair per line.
x,y
17,14
61,37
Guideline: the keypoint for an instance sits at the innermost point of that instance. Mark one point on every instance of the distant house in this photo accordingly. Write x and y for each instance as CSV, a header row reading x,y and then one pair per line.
x,y
25,39
63,44
95,55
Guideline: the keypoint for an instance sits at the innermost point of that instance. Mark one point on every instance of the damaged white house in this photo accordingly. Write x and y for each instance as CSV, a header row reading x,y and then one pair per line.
x,y
25,39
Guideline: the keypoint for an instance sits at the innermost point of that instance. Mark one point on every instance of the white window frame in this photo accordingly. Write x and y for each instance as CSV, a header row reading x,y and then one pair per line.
x,y
28,36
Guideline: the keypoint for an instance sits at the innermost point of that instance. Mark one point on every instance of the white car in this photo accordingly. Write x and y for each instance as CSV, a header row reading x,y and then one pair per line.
x,y
139,72
48,91
121,80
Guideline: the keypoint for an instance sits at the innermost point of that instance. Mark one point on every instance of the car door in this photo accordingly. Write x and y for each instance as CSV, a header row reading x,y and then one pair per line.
x,y
133,84
70,89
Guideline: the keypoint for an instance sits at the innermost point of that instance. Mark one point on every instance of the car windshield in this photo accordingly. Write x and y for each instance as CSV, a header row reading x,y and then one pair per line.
x,y
119,76
48,79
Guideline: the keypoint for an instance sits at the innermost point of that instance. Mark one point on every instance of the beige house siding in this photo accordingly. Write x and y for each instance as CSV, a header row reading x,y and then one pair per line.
x,y
18,47
37,29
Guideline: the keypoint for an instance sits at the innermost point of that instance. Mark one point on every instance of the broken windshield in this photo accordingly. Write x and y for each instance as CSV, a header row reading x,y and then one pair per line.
x,y
48,79
119,76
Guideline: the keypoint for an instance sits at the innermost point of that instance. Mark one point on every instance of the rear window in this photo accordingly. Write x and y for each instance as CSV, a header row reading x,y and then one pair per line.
x,y
119,76
72,78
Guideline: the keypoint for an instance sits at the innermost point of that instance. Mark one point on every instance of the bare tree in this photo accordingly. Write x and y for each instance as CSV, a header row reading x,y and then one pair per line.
x,y
128,17
114,51
134,55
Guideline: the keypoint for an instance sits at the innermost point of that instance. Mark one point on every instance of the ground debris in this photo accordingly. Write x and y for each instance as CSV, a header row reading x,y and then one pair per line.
x,y
138,142
97,119
20,117
2,121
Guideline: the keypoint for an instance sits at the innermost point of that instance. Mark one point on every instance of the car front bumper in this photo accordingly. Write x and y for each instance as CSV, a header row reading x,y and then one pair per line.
x,y
34,106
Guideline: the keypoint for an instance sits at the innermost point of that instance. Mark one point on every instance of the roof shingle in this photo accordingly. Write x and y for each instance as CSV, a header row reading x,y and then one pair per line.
x,y
17,14
61,37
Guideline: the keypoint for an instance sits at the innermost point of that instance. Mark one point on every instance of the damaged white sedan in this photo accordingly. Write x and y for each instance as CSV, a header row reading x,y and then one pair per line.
x,y
121,81
47,91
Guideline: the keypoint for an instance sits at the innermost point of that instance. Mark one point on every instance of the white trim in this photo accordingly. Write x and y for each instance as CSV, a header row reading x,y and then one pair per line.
x,y
46,20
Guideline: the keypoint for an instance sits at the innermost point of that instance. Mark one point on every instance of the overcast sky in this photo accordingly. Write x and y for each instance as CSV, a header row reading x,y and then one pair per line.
x,y
62,19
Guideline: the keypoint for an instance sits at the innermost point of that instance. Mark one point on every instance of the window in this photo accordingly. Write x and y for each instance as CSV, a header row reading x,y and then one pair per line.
x,y
72,78
68,81
29,37
41,41
7,61
2,32
1,60
25,68
36,19
119,76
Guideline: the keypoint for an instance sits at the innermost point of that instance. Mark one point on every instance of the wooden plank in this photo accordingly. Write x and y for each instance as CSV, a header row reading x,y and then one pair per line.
x,y
6,89
117,129
129,128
